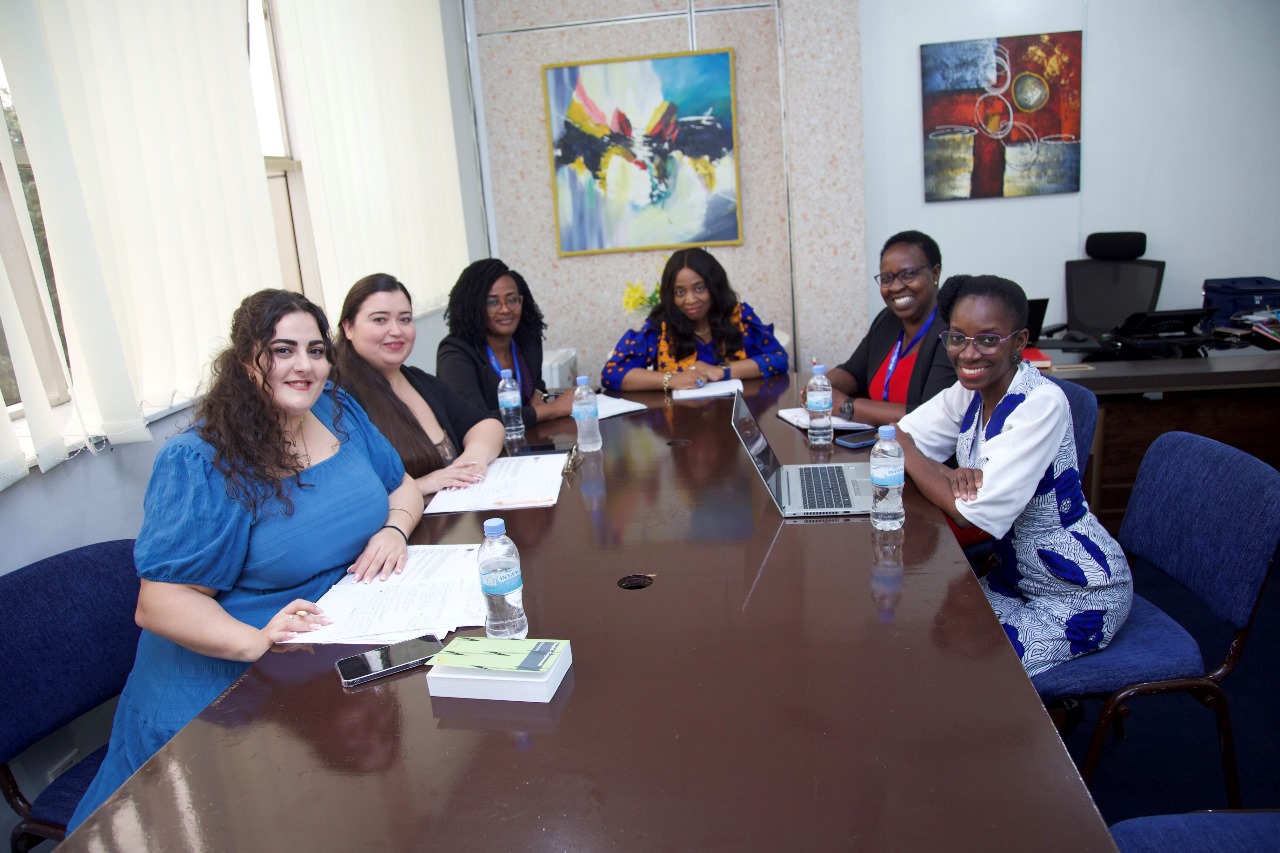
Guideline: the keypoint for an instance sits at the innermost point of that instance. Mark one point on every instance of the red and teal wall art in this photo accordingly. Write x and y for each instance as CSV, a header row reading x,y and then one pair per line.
x,y
1001,116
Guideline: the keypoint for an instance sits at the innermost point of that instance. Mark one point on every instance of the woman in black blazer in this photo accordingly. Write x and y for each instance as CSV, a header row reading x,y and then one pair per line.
x,y
494,323
901,362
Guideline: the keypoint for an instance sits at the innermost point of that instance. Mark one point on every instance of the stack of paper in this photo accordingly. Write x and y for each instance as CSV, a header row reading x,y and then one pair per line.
x,y
438,593
722,388
512,482
800,418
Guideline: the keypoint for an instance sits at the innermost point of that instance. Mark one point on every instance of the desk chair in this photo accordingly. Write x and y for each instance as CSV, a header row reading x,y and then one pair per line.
x,y
68,645
1208,516
1105,290
1217,830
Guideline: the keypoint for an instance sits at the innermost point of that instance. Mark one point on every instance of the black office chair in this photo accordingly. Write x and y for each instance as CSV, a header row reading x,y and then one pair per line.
x,y
68,645
1106,290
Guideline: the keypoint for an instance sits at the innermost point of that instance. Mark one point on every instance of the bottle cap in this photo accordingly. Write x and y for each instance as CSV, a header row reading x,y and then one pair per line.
x,y
506,374
819,369
494,527
888,431
582,380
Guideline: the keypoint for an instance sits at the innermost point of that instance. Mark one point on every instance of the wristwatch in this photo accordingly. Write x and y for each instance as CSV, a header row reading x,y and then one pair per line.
x,y
846,409
726,371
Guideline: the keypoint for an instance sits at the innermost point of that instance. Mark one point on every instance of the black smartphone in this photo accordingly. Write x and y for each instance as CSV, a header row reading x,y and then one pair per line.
x,y
539,448
387,660
858,440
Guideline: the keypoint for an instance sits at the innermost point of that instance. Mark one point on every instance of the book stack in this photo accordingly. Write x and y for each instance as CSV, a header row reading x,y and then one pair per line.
x,y
1036,358
505,670
1267,334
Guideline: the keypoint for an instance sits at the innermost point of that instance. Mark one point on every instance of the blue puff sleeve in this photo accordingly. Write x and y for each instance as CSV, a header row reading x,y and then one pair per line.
x,y
383,458
634,350
760,344
193,532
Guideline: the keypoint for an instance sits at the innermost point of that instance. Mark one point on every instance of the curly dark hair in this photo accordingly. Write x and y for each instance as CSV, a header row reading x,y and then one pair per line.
x,y
468,317
725,334
372,390
238,416
1002,290
921,241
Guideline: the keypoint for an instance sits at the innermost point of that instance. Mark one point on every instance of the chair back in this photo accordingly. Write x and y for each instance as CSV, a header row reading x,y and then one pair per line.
x,y
1207,515
1102,294
68,641
1084,416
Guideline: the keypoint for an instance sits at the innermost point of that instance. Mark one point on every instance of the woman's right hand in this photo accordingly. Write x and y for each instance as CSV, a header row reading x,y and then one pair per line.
x,y
459,475
298,617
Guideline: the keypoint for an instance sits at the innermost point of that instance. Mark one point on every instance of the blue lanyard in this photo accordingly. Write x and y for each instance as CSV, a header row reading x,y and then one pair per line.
x,y
515,363
898,350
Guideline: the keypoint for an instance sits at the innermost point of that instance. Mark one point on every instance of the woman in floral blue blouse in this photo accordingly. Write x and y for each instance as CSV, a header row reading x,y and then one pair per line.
x,y
699,332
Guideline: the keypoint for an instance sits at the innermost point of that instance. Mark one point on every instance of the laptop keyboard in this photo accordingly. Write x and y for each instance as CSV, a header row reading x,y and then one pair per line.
x,y
824,487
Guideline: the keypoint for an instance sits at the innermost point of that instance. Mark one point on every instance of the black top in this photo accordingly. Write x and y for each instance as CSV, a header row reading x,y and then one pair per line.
x,y
467,370
456,415
933,369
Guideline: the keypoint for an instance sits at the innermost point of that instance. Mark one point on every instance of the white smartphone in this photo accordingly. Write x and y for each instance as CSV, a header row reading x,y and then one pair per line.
x,y
387,660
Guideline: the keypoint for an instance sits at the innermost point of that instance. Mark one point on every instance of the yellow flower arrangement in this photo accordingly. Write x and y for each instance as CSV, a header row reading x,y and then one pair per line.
x,y
637,297
634,297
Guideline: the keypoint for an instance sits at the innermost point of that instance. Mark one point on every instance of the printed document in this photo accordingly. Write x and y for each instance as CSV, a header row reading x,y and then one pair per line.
x,y
438,592
512,482
721,388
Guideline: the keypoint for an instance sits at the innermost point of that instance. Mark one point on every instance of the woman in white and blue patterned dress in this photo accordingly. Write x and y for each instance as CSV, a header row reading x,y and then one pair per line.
x,y
1062,588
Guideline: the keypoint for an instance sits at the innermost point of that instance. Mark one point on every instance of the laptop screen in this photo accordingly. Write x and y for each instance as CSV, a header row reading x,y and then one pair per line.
x,y
762,455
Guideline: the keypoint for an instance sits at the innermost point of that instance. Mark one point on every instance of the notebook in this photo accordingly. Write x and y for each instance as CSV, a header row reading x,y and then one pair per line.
x,y
803,491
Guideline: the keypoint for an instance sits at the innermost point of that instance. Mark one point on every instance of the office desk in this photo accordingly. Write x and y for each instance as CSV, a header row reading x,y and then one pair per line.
x,y
1230,397
755,696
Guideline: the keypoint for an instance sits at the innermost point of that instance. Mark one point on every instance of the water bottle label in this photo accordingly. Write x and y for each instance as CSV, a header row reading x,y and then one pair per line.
x,y
509,400
818,401
888,475
502,582
585,411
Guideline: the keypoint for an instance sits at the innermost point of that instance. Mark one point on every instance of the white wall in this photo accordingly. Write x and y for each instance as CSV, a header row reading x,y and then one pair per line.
x,y
1179,121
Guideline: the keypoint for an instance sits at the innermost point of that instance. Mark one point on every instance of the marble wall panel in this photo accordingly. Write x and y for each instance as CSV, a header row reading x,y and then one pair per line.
x,y
493,16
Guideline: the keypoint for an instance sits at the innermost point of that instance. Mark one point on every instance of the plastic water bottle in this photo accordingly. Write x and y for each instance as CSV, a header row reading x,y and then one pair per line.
x,y
888,474
587,415
509,405
818,404
501,583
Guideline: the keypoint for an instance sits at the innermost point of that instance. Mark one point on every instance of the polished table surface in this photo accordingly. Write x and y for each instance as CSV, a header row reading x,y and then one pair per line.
x,y
775,686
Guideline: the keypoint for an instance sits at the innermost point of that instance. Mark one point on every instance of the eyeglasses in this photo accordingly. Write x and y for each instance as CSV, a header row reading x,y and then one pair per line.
x,y
987,343
905,276
511,301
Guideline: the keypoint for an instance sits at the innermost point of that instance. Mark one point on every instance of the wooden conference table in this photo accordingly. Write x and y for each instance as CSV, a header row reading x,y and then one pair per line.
x,y
776,686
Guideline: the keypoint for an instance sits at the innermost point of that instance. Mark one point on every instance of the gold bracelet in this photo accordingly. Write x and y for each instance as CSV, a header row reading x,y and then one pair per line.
x,y
399,509
666,381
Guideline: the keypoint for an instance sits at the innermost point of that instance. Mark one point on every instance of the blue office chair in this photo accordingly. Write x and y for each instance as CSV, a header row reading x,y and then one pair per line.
x,y
1084,416
1208,516
1199,831
68,645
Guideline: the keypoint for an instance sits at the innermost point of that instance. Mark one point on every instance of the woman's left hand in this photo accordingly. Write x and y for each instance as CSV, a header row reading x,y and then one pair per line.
x,y
386,553
964,482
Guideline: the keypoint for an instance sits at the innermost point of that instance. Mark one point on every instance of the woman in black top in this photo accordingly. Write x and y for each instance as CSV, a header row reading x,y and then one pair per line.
x,y
444,441
494,323
900,363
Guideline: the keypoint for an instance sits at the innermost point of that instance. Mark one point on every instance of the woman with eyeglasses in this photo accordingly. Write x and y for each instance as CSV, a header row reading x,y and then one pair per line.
x,y
494,324
444,441
699,332
899,363
1062,586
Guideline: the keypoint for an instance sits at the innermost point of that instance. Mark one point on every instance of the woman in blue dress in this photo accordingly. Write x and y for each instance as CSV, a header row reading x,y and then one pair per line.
x,y
697,333
279,488
1063,587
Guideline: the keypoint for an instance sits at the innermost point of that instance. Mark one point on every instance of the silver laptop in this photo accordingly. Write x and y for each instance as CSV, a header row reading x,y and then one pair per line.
x,y
803,491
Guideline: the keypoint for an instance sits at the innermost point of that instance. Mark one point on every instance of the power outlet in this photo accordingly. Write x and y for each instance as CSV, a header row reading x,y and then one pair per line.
x,y
68,761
